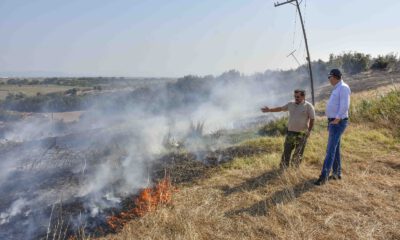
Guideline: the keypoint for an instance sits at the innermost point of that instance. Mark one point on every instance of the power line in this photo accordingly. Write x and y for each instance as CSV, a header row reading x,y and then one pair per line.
x,y
304,19
305,11
299,47
296,3
295,27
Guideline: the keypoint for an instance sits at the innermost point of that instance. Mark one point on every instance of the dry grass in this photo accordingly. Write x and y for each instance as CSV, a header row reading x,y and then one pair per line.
x,y
250,199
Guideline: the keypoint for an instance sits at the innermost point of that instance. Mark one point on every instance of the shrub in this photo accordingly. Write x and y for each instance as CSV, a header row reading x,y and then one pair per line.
x,y
71,91
15,96
351,62
275,127
384,62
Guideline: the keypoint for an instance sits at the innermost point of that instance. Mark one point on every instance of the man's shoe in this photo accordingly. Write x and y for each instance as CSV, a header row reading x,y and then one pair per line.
x,y
321,181
335,177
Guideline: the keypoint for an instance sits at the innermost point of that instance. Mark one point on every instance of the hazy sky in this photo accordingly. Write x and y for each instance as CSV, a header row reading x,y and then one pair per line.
x,y
180,37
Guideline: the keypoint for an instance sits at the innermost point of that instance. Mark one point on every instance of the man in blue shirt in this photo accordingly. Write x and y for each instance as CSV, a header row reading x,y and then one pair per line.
x,y
337,111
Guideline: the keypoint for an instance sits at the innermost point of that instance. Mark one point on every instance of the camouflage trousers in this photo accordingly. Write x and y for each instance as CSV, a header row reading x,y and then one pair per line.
x,y
294,141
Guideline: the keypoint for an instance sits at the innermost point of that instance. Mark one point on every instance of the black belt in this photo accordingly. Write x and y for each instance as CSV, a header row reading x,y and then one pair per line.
x,y
331,119
295,133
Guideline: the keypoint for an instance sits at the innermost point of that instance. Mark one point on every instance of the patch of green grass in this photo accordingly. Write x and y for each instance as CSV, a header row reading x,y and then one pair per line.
x,y
382,111
366,141
316,145
238,137
274,128
271,144
359,142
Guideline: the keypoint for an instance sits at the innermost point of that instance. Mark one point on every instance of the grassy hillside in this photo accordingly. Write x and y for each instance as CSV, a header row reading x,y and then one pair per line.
x,y
248,198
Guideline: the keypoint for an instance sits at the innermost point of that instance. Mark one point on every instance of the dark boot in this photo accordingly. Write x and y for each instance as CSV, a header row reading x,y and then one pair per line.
x,y
335,177
321,181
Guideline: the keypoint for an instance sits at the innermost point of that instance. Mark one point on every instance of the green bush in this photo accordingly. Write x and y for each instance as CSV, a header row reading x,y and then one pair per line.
x,y
383,111
274,128
15,96
351,62
384,62
71,91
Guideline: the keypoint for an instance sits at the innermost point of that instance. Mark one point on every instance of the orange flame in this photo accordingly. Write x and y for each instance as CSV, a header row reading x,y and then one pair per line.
x,y
147,201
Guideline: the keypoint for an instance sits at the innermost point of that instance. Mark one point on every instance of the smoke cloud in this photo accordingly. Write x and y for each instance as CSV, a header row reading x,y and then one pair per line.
x,y
93,163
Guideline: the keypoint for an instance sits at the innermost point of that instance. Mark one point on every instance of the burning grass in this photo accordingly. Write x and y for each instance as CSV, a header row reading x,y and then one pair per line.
x,y
147,201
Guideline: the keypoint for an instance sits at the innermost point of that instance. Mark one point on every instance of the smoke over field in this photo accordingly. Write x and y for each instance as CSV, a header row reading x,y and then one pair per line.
x,y
61,178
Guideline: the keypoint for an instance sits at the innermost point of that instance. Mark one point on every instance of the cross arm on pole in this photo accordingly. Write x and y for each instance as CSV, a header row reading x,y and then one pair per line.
x,y
277,4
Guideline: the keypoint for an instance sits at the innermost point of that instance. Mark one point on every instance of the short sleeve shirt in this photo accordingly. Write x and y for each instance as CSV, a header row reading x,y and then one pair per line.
x,y
299,115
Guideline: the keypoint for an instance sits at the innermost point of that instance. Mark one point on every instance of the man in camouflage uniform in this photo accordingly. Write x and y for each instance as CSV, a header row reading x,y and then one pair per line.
x,y
300,124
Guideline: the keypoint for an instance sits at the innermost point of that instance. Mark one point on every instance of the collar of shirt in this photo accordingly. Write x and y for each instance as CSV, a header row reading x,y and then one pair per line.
x,y
338,84
298,104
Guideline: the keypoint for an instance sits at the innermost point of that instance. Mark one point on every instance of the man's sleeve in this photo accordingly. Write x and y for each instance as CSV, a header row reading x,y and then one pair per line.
x,y
344,102
285,107
311,112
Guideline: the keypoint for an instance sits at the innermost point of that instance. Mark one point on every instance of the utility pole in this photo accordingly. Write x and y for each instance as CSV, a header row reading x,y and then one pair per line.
x,y
305,40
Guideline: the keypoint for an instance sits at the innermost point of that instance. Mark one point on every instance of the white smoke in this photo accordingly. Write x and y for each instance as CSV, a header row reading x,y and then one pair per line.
x,y
15,209
134,137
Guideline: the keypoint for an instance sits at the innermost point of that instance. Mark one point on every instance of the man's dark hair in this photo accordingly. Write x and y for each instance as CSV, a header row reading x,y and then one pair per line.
x,y
301,91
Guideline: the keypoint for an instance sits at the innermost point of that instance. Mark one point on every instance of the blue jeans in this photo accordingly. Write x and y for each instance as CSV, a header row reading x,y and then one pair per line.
x,y
332,158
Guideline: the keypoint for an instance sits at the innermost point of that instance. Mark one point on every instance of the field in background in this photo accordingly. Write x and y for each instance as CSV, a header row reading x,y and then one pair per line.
x,y
30,90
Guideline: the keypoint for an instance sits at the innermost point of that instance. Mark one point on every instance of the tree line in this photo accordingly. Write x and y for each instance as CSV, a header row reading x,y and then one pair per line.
x,y
190,91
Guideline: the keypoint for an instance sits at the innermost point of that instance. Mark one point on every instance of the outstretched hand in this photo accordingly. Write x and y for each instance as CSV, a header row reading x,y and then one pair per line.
x,y
265,109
